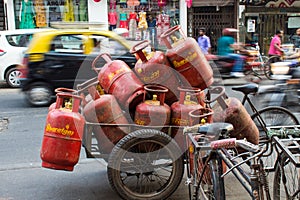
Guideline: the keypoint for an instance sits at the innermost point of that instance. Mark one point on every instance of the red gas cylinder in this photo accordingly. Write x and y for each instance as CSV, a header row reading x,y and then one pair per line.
x,y
118,79
154,68
62,135
89,90
199,116
187,58
231,110
190,99
60,90
153,112
105,109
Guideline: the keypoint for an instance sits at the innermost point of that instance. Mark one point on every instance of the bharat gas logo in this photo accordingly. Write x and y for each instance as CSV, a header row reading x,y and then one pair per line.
x,y
61,131
191,56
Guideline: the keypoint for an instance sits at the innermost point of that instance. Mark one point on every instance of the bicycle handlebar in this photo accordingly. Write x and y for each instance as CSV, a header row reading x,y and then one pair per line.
x,y
233,142
203,143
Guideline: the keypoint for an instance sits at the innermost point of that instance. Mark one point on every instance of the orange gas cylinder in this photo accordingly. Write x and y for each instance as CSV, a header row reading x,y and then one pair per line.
x,y
105,109
63,134
232,111
190,99
154,68
153,112
89,90
200,116
187,58
60,90
118,79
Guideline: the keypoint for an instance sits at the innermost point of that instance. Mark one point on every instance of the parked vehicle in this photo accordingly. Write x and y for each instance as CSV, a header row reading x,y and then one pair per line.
x,y
63,58
13,44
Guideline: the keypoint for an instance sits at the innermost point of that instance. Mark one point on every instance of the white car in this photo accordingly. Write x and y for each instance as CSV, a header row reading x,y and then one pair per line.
x,y
13,44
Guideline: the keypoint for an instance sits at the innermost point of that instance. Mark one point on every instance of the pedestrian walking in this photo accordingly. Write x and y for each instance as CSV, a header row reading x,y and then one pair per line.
x,y
204,41
275,45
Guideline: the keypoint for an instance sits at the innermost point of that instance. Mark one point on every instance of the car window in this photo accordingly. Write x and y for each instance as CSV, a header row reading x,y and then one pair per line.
x,y
108,45
19,40
68,44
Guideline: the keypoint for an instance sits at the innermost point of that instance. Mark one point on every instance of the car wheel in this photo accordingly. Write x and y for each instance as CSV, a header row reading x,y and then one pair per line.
x,y
12,77
39,94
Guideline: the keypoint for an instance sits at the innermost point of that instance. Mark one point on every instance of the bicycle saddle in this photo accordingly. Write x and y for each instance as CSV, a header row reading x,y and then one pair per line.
x,y
247,88
216,129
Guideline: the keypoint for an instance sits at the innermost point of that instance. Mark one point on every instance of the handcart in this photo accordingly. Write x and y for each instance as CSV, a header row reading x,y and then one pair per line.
x,y
145,164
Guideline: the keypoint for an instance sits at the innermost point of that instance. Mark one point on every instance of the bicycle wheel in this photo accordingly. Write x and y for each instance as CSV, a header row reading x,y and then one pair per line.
x,y
267,66
286,180
211,185
145,164
264,59
272,116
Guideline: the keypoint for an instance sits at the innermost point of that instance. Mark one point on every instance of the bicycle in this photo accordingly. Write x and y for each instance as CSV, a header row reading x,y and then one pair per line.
x,y
264,118
211,148
286,183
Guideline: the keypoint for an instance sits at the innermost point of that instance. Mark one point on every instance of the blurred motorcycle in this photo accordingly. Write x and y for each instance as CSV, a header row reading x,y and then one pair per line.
x,y
286,90
253,63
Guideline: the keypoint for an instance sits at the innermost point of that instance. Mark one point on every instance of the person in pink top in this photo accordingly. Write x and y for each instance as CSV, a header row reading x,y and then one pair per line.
x,y
275,45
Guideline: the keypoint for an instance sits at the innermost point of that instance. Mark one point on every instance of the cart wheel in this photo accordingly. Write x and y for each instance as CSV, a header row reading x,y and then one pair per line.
x,y
146,164
267,66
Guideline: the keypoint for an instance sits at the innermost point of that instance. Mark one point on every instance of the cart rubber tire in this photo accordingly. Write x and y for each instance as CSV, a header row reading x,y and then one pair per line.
x,y
137,153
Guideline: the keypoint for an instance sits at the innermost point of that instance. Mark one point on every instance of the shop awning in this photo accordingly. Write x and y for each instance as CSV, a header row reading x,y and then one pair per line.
x,y
202,3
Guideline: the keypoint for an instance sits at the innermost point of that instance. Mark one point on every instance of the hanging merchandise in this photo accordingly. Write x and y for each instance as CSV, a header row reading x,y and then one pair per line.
x,y
133,3
69,11
143,25
162,25
112,4
187,58
40,10
123,3
123,20
133,18
143,2
189,3
161,3
27,15
83,15
112,20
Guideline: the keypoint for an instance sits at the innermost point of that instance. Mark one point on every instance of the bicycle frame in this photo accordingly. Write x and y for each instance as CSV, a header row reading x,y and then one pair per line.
x,y
254,110
254,183
251,182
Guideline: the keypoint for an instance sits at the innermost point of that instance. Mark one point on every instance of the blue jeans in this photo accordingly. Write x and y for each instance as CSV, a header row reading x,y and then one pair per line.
x,y
239,62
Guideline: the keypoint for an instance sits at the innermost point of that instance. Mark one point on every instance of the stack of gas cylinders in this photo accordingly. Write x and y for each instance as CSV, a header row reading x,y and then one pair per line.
x,y
165,89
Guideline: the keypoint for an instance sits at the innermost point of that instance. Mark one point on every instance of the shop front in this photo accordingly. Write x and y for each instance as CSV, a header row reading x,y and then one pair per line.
x,y
141,20
137,20
44,13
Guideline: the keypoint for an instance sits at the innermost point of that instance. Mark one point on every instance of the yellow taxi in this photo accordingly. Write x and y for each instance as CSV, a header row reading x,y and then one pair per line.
x,y
63,58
